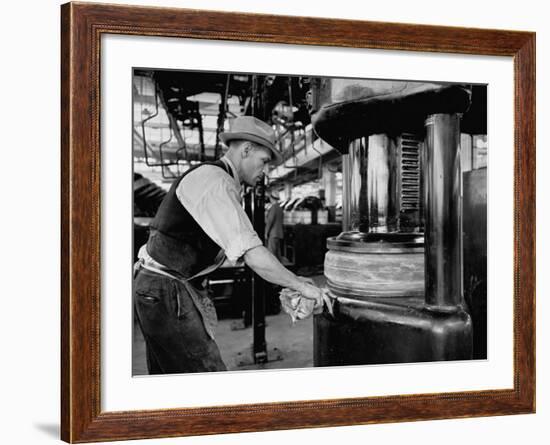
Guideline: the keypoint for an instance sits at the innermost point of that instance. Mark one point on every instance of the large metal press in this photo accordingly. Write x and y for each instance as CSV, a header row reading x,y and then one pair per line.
x,y
395,273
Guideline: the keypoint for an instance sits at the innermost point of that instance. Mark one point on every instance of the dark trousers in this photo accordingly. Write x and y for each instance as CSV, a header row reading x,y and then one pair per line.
x,y
174,343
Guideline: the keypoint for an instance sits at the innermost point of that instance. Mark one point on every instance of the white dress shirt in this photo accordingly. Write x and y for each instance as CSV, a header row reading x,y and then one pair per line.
x,y
213,199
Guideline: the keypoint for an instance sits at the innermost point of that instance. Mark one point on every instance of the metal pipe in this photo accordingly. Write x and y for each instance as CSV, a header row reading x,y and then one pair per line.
x,y
258,283
442,198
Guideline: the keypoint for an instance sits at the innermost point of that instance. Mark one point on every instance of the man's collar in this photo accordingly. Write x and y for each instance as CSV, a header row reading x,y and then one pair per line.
x,y
233,169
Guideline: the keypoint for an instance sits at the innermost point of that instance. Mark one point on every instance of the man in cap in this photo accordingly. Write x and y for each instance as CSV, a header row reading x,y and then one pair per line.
x,y
200,223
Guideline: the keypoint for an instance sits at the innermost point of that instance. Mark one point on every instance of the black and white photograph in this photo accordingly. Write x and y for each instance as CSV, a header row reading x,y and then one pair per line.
x,y
288,221
232,223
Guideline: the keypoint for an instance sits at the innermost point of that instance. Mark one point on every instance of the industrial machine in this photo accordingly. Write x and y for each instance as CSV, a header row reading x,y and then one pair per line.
x,y
395,273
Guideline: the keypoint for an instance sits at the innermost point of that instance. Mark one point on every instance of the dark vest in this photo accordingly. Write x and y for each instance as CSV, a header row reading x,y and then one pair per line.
x,y
176,240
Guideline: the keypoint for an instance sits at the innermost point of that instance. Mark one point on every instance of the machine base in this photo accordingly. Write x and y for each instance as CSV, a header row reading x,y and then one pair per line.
x,y
380,332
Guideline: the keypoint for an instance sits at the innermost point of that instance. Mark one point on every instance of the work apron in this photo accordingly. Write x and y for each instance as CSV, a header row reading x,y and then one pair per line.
x,y
202,302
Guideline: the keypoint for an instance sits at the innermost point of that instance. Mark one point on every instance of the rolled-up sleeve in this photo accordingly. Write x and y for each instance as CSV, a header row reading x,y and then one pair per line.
x,y
213,200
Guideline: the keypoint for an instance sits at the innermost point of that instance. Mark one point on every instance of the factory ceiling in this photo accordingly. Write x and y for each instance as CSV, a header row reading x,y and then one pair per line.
x,y
178,116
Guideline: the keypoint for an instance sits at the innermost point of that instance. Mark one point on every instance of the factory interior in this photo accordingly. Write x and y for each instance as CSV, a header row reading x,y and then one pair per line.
x,y
383,187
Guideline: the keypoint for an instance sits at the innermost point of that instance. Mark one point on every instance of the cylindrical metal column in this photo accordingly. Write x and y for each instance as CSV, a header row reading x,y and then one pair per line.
x,y
355,197
329,186
442,198
370,186
345,193
382,184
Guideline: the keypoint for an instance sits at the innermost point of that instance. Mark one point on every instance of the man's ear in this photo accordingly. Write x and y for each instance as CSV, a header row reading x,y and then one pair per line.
x,y
247,147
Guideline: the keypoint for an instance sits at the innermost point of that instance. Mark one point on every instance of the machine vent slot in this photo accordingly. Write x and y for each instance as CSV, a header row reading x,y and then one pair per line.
x,y
410,172
408,163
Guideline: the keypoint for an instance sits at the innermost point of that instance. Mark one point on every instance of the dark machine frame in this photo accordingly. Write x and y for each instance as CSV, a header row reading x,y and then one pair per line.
x,y
82,26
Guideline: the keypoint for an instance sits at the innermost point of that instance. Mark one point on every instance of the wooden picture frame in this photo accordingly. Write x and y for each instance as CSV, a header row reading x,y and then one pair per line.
x,y
82,26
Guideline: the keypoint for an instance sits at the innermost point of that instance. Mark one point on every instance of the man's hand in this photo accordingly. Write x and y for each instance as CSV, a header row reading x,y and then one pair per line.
x,y
312,292
318,295
270,269
294,304
300,305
